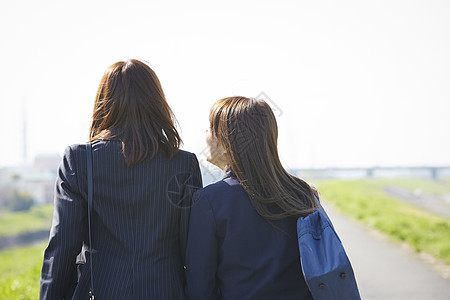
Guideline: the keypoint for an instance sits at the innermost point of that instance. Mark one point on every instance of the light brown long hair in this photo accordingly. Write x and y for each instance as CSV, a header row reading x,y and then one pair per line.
x,y
248,131
130,105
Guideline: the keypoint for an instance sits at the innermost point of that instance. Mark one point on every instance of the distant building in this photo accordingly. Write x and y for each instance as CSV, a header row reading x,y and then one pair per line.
x,y
40,185
38,179
44,163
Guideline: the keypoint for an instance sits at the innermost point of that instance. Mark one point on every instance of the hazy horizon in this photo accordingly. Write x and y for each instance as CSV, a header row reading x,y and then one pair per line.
x,y
357,84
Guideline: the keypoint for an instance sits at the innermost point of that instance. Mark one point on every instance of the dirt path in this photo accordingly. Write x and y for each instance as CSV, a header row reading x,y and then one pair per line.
x,y
429,202
384,270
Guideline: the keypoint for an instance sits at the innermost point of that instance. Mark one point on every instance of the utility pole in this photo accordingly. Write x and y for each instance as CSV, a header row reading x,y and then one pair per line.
x,y
24,132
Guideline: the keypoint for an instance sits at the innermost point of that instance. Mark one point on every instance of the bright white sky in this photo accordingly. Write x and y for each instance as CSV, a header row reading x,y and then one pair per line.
x,y
359,83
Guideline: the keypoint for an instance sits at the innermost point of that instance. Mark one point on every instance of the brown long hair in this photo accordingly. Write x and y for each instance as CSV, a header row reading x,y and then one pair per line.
x,y
248,131
130,105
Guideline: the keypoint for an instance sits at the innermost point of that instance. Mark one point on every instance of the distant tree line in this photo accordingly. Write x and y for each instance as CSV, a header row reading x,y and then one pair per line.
x,y
13,199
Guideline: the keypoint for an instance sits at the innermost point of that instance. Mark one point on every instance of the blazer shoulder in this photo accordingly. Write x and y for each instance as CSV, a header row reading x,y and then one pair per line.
x,y
76,148
81,148
73,151
185,154
221,189
185,158
77,152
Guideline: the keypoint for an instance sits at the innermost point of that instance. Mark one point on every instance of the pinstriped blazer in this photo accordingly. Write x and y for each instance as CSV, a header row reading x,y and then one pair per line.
x,y
138,224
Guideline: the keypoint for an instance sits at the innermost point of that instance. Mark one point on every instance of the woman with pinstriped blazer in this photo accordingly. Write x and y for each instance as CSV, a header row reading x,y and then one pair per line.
x,y
142,189
242,241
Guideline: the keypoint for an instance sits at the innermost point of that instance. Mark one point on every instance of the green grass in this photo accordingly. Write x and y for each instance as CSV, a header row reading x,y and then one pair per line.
x,y
20,270
428,186
365,201
37,218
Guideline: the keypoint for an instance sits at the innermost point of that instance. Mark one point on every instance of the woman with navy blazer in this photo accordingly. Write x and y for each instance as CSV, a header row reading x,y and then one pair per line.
x,y
142,191
242,240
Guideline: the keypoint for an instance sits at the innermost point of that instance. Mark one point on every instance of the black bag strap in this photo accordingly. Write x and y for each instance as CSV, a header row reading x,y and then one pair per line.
x,y
89,192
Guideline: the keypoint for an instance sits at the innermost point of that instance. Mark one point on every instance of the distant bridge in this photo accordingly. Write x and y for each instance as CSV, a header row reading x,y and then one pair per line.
x,y
432,172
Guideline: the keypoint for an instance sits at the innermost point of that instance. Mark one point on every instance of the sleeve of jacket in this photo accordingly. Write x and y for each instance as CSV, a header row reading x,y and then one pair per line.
x,y
69,224
202,251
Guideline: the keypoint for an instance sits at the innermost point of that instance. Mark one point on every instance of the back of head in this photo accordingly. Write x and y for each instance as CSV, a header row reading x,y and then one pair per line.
x,y
247,129
130,105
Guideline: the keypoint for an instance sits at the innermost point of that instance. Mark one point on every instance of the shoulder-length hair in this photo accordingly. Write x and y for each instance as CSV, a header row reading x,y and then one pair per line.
x,y
130,105
247,129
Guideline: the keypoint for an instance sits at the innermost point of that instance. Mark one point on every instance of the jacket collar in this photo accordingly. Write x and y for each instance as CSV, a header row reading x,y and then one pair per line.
x,y
229,173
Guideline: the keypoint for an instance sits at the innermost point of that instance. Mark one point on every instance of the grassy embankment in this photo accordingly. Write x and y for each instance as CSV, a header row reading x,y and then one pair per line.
x,y
20,267
365,201
20,270
37,218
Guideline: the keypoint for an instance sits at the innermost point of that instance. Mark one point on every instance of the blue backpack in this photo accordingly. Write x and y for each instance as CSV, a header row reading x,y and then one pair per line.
x,y
325,265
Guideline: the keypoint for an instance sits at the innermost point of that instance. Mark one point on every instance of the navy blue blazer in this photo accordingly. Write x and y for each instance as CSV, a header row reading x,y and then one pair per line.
x,y
234,253
138,224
